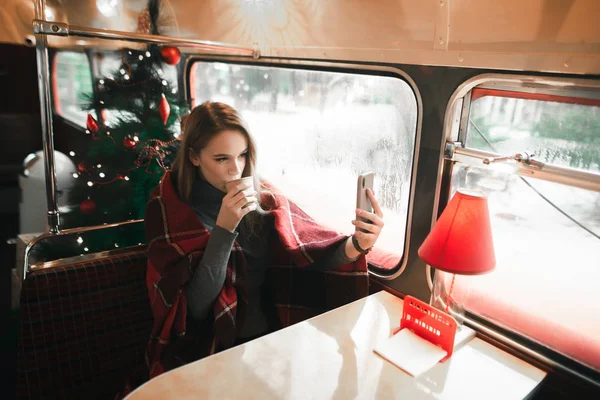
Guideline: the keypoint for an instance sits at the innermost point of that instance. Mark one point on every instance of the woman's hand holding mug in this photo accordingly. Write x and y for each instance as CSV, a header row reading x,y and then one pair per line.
x,y
239,201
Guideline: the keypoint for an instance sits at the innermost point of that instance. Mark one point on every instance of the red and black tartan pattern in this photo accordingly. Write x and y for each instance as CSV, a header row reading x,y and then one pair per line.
x,y
83,328
176,241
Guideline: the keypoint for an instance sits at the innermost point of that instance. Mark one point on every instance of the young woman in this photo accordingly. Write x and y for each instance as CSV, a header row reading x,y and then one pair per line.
x,y
231,262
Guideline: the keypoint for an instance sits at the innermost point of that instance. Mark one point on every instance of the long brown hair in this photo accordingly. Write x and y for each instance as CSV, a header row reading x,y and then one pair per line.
x,y
204,123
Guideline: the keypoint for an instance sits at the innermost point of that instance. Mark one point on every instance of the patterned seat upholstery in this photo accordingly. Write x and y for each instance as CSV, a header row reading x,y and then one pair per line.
x,y
83,328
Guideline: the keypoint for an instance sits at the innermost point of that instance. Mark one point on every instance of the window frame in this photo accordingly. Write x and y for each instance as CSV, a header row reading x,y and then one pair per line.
x,y
342,67
454,136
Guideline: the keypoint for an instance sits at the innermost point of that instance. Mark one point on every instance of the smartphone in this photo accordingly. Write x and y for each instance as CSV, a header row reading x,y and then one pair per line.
x,y
365,181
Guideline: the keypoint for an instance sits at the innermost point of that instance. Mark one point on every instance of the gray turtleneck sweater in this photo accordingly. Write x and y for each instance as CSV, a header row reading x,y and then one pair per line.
x,y
206,282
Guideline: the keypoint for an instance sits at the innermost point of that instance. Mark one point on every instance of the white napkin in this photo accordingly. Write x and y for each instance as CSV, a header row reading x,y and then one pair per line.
x,y
410,352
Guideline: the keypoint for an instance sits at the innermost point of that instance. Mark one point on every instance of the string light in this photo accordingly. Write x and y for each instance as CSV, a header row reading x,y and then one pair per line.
x,y
126,77
140,57
101,81
99,166
75,175
147,54
79,240
72,153
101,175
90,183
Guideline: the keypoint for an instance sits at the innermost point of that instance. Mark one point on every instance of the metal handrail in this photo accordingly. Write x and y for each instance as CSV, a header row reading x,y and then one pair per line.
x,y
44,27
61,262
527,167
65,232
43,69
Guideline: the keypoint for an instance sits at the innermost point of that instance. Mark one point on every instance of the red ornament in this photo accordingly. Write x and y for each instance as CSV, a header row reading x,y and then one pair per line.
x,y
81,167
129,143
170,55
87,206
163,109
92,124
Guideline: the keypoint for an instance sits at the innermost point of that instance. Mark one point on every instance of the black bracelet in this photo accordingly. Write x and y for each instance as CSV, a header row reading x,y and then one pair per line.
x,y
358,248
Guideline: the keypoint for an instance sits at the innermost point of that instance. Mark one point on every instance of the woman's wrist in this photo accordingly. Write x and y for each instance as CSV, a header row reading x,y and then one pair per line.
x,y
351,252
227,225
358,247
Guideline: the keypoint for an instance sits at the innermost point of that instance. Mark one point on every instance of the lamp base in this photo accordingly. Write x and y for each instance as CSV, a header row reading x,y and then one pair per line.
x,y
447,297
444,298
463,335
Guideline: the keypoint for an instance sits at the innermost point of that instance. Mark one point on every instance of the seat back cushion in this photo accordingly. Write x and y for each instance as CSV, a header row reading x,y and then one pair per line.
x,y
83,328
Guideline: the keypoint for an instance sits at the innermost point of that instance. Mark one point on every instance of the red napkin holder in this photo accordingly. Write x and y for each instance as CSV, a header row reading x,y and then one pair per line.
x,y
429,323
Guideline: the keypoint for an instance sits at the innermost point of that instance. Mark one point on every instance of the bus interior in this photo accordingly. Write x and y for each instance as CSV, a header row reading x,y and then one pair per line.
x,y
436,96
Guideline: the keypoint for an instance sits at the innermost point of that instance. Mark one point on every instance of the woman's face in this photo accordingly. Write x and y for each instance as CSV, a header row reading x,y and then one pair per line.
x,y
223,159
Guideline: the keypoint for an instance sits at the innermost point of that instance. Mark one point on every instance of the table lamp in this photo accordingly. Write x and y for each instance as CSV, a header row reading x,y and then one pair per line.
x,y
459,243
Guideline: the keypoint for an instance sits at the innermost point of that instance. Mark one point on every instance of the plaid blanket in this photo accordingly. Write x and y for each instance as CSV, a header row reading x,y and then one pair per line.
x,y
176,241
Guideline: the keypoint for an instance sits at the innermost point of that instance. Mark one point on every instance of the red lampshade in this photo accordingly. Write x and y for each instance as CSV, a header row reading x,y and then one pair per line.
x,y
461,239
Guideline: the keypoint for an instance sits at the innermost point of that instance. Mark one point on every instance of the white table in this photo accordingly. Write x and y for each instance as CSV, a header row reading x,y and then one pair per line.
x,y
331,357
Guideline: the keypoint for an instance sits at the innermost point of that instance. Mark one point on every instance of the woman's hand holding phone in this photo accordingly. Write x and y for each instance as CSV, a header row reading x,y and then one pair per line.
x,y
369,218
368,225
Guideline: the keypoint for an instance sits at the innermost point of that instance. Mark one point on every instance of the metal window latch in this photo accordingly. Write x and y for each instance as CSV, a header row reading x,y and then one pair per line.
x,y
450,149
50,28
523,158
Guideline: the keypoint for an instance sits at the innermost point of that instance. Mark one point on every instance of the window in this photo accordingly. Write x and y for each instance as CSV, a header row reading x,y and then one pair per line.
x,y
546,234
72,82
316,131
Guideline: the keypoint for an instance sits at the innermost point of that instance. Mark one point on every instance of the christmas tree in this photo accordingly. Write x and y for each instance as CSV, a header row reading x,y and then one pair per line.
x,y
133,128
